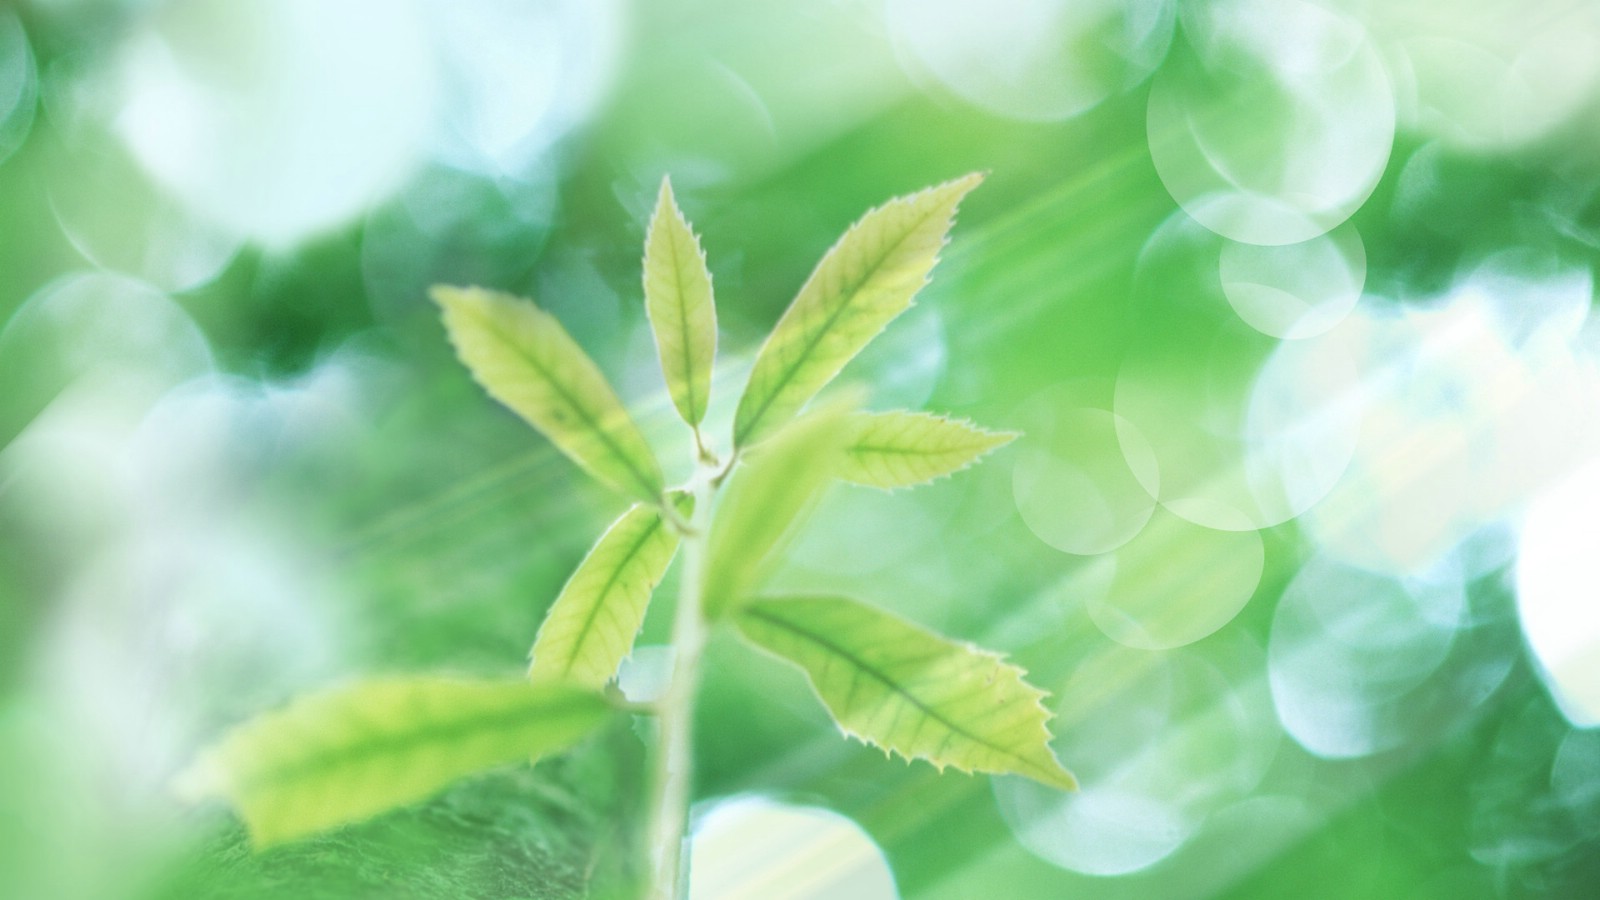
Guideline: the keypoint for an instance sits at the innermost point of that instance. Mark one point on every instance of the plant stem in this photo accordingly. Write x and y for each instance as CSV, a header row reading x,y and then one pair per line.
x,y
674,755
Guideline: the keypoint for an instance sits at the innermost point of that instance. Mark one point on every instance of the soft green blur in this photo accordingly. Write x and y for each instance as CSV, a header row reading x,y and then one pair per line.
x,y
1291,299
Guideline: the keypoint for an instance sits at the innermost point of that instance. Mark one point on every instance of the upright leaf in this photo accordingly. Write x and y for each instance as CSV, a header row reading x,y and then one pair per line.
x,y
677,298
768,499
350,753
590,629
905,689
905,449
522,356
867,279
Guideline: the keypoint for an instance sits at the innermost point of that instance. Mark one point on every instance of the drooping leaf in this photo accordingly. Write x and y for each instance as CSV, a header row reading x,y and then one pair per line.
x,y
522,356
905,449
590,629
867,279
905,689
678,300
767,500
347,754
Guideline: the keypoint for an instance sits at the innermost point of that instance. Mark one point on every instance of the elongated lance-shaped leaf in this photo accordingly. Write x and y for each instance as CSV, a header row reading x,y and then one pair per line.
x,y
590,629
769,498
905,689
522,356
678,300
347,754
905,449
867,279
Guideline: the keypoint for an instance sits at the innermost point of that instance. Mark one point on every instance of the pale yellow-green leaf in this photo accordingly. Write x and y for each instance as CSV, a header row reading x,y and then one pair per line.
x,y
350,753
867,279
590,629
905,689
678,300
905,449
522,356
769,498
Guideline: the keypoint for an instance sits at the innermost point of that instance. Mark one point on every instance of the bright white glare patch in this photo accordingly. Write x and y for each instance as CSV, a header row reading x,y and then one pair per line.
x,y
1361,663
644,675
1035,59
518,75
1174,738
112,213
277,118
1278,124
19,83
1558,582
1490,74
154,633
1248,431
1175,583
1295,290
1466,408
1073,484
753,848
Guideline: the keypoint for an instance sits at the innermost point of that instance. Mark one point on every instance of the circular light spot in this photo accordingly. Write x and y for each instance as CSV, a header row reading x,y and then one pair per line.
x,y
1248,431
1557,570
277,119
1491,74
1175,583
1034,59
1072,483
112,213
115,330
1276,125
753,847
518,75
1361,663
1295,290
19,84
1173,740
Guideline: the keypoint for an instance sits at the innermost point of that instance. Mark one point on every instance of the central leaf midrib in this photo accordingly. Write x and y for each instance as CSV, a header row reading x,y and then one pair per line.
x,y
833,317
380,744
599,601
683,325
864,666
555,384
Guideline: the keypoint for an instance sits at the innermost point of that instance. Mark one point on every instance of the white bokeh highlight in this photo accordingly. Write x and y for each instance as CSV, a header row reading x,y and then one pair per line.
x,y
1276,124
1035,60
1558,592
755,848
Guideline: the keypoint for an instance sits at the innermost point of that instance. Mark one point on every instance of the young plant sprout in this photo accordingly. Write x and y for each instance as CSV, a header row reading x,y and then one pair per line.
x,y
356,751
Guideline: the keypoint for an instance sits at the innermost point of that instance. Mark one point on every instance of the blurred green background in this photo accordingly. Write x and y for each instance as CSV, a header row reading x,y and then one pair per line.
x,y
1291,298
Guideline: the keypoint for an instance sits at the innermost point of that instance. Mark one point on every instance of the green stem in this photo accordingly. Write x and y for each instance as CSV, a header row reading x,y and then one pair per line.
x,y
674,755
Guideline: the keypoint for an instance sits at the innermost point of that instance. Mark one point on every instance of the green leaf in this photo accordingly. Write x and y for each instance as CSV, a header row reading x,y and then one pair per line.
x,y
590,629
347,754
867,279
768,499
905,449
905,689
678,300
522,356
